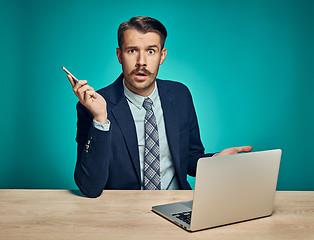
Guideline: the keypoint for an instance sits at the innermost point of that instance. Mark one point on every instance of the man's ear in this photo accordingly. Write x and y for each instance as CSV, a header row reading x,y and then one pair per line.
x,y
118,52
163,55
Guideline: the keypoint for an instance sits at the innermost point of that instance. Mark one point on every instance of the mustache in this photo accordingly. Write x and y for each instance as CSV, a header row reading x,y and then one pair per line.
x,y
141,69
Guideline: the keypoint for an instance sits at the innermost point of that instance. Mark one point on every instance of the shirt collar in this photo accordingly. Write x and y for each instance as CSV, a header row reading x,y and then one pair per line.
x,y
138,100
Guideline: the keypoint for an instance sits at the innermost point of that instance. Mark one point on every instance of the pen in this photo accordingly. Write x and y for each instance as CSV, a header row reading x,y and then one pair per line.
x,y
67,71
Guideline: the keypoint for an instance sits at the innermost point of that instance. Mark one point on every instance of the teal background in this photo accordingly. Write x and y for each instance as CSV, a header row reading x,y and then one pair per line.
x,y
248,64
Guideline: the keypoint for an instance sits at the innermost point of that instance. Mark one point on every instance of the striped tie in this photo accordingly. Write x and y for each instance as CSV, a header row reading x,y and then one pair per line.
x,y
151,157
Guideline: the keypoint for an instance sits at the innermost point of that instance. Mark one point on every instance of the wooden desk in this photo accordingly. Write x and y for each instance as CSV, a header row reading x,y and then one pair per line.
x,y
62,214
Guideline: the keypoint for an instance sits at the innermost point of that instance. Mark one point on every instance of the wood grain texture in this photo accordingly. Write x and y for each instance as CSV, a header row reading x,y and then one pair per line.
x,y
62,214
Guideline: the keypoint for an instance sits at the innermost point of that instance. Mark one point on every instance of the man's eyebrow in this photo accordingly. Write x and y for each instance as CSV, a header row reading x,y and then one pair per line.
x,y
135,47
128,47
153,46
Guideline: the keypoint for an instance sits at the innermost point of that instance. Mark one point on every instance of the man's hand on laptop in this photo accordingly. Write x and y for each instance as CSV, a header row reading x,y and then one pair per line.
x,y
234,150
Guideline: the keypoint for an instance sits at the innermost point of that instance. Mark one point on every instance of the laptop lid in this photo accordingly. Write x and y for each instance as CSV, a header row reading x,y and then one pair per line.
x,y
234,188
229,189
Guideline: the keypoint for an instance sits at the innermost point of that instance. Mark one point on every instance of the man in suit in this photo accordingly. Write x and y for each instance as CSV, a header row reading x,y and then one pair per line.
x,y
139,132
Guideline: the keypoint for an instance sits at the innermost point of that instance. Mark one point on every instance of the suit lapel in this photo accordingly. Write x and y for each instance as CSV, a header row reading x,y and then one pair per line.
x,y
171,123
124,118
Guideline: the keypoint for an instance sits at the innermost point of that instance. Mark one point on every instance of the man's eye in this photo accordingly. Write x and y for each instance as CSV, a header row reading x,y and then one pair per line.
x,y
151,51
131,51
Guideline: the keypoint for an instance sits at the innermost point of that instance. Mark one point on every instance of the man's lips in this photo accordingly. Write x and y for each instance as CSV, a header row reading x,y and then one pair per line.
x,y
141,74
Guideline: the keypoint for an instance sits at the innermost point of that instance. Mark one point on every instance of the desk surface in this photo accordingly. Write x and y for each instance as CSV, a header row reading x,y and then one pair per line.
x,y
62,214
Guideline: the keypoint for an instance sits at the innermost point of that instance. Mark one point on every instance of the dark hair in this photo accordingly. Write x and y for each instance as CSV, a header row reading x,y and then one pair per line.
x,y
144,25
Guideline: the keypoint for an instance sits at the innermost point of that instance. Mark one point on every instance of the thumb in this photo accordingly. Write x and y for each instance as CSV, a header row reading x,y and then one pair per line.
x,y
244,149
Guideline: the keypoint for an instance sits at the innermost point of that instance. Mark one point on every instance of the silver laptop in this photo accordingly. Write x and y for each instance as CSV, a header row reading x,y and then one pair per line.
x,y
228,189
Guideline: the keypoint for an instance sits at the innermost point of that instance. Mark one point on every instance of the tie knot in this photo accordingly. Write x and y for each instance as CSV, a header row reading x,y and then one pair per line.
x,y
147,104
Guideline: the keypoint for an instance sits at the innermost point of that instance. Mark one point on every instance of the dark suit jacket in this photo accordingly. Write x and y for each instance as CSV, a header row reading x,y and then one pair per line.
x,y
110,160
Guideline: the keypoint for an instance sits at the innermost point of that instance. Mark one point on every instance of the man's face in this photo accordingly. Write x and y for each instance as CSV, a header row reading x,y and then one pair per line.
x,y
140,56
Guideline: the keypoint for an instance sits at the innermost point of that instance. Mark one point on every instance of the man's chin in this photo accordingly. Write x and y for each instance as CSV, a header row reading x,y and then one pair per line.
x,y
138,86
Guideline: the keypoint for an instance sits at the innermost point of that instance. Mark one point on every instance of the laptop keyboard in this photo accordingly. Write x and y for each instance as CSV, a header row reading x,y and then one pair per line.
x,y
184,216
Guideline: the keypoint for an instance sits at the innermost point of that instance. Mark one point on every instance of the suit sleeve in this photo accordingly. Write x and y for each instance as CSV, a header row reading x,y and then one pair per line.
x,y
93,154
196,148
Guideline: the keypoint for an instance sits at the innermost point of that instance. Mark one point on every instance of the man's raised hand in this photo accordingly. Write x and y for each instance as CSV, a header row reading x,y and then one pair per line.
x,y
92,100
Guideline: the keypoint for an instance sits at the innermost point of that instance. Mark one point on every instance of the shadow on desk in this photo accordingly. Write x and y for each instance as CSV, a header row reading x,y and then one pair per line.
x,y
77,193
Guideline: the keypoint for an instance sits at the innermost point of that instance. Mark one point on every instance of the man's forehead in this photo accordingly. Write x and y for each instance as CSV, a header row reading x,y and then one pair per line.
x,y
134,37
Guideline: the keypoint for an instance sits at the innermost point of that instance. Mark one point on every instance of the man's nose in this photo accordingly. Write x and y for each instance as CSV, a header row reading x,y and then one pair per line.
x,y
141,59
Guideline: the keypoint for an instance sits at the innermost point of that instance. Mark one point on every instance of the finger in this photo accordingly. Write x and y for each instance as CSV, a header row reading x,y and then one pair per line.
x,y
71,80
81,92
90,93
244,149
78,85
